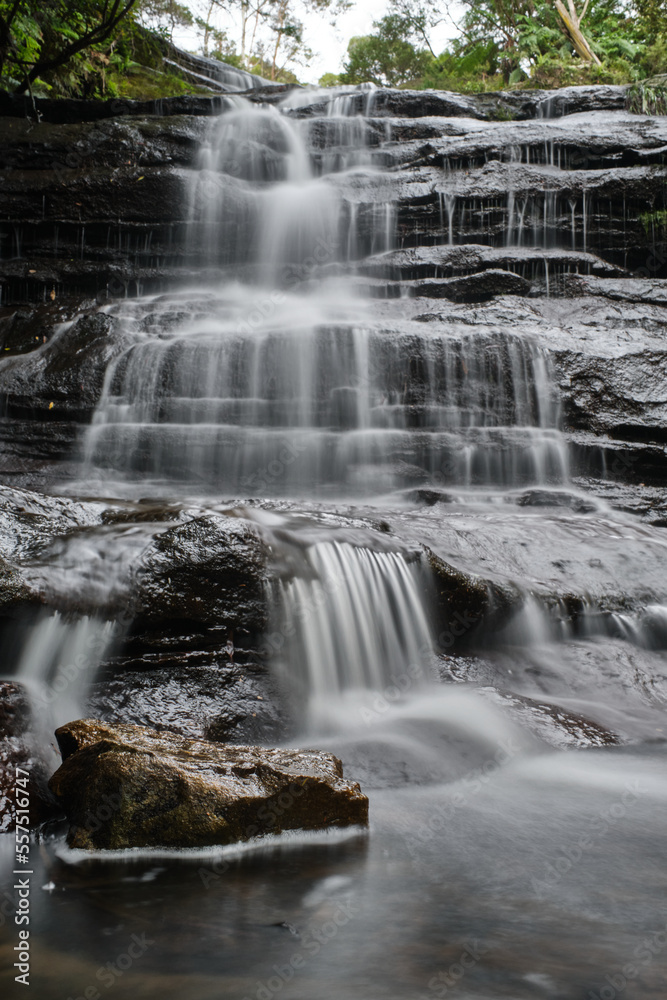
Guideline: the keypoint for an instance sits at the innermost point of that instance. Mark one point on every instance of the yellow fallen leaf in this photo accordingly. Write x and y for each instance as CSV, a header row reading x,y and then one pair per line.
x,y
51,405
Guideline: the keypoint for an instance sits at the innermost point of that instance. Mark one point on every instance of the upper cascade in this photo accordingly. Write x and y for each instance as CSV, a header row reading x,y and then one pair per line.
x,y
279,376
260,206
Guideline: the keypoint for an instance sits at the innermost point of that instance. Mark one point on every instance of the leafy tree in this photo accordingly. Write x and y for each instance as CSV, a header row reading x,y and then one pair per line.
x,y
387,58
269,31
36,39
165,16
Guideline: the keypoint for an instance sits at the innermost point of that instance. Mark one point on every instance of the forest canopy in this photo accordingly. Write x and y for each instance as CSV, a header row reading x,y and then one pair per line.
x,y
117,47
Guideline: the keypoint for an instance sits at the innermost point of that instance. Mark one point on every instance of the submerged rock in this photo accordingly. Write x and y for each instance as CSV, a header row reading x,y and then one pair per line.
x,y
124,786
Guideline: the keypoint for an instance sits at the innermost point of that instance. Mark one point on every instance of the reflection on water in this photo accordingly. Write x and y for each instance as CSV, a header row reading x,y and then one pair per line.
x,y
520,874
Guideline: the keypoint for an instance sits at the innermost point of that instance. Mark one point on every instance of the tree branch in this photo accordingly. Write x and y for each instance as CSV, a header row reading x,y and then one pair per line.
x,y
95,35
580,44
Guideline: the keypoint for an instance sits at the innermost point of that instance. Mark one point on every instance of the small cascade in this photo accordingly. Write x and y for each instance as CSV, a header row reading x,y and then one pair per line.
x,y
57,665
358,621
270,409
262,203
255,204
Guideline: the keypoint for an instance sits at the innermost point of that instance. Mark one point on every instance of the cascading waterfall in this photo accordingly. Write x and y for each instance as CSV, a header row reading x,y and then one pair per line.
x,y
226,403
281,381
358,622
58,663
352,478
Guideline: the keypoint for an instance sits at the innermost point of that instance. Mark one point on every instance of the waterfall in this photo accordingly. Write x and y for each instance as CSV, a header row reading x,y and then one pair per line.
x,y
224,402
352,619
57,665
280,380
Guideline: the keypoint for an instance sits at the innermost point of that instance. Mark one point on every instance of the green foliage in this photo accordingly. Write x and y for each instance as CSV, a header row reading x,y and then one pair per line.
x,y
37,40
330,80
655,56
654,223
386,58
649,98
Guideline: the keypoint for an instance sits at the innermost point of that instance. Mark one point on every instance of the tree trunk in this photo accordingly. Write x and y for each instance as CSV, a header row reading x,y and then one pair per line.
x,y
572,22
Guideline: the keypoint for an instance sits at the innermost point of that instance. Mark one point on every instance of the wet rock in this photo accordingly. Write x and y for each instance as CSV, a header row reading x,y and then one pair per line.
x,y
16,751
556,498
201,70
166,791
200,694
466,601
491,566
188,570
638,291
62,379
64,111
210,569
28,524
173,570
24,330
28,520
499,105
27,150
607,354
647,502
446,261
630,462
471,287
430,497
577,142
554,725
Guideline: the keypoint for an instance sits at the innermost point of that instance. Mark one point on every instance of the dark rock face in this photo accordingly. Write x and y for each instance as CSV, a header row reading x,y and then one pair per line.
x,y
472,287
165,791
62,379
68,112
16,751
200,570
96,206
500,106
193,692
86,206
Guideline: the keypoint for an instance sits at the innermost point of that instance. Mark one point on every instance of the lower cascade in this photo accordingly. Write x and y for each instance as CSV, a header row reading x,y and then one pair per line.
x,y
332,544
355,619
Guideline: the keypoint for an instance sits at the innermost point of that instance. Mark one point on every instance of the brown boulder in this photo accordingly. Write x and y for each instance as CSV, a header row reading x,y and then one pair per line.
x,y
126,786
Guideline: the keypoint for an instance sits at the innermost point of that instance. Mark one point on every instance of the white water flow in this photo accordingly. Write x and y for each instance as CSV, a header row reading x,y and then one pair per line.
x,y
357,621
58,664
280,377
